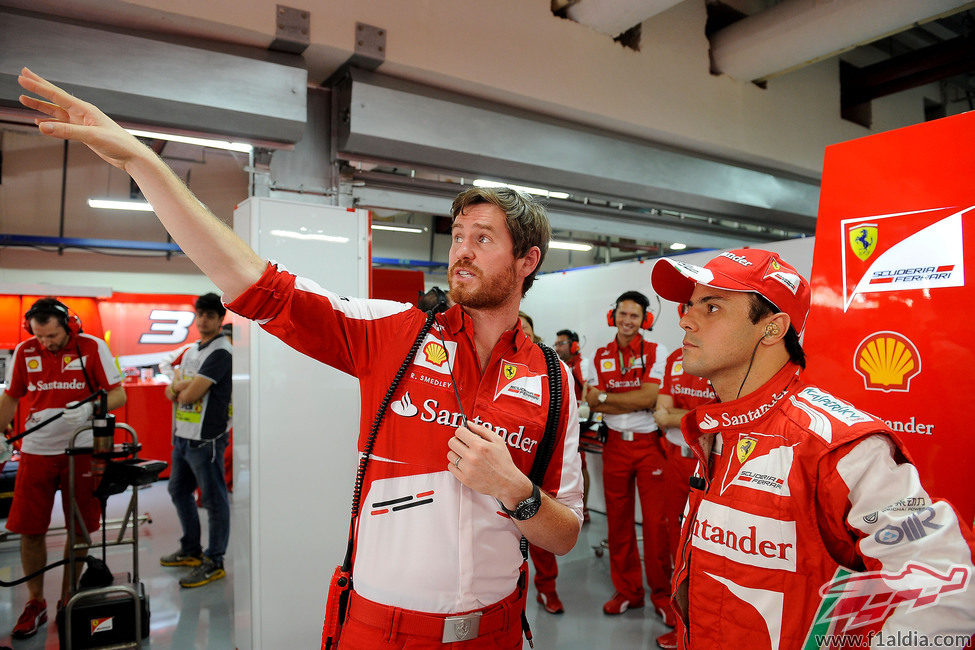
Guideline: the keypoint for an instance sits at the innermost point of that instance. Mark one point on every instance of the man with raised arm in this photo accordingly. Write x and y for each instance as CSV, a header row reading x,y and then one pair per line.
x,y
444,564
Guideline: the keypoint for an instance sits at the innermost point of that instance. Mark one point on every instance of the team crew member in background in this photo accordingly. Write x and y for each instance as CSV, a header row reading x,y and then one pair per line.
x,y
679,393
796,489
57,366
629,371
567,347
457,552
200,393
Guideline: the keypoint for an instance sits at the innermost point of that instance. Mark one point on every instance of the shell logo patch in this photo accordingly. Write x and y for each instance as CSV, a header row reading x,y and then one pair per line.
x,y
516,380
887,361
607,365
744,448
863,240
678,368
435,355
33,364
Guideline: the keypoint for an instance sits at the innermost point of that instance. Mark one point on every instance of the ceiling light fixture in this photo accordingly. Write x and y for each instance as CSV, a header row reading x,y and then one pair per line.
x,y
383,226
677,246
569,246
202,142
291,234
114,204
480,182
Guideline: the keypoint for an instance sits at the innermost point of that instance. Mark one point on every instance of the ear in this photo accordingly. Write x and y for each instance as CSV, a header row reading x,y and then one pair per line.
x,y
775,328
529,262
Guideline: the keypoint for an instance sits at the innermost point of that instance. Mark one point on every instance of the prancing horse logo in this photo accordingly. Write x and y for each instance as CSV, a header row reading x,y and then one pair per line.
x,y
863,240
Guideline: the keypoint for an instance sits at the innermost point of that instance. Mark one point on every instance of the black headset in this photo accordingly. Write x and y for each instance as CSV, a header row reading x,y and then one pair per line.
x,y
47,308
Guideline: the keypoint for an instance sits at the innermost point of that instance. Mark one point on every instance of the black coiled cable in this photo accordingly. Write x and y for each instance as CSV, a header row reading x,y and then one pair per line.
x,y
437,302
381,413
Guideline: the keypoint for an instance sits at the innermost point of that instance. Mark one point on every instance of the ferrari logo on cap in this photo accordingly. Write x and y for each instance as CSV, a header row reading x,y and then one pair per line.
x,y
863,240
744,448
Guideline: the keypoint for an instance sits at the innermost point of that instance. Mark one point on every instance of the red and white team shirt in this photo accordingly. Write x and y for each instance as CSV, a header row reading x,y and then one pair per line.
x,y
622,370
812,521
46,381
687,391
424,541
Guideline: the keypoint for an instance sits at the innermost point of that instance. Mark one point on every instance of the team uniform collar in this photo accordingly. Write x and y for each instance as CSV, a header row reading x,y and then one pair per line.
x,y
633,346
746,412
456,319
70,347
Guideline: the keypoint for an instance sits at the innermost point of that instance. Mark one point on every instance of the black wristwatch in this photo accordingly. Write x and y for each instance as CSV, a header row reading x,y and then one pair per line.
x,y
527,508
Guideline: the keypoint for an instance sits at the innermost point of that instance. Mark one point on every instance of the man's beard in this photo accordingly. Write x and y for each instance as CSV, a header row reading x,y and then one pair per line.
x,y
493,292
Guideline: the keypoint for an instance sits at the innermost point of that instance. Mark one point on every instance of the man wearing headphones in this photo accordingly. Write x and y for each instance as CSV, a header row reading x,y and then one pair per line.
x,y
57,366
567,347
807,525
629,371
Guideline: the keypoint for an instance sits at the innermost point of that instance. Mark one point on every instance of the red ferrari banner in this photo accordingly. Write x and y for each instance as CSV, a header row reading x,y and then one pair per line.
x,y
893,238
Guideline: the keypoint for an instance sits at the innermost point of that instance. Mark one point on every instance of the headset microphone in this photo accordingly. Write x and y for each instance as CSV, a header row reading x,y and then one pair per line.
x,y
433,301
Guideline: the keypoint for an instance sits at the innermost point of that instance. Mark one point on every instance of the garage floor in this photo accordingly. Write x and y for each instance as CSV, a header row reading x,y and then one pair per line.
x,y
203,617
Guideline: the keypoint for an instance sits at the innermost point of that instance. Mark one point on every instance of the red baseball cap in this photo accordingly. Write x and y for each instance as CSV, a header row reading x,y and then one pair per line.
x,y
745,269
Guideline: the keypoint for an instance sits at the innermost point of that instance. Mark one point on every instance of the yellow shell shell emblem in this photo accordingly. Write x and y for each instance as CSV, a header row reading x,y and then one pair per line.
x,y
887,361
435,353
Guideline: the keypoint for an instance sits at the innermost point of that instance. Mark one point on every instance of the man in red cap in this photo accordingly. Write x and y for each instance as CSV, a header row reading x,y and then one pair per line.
x,y
806,518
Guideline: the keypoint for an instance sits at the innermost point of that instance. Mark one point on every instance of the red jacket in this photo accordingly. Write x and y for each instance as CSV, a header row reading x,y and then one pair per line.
x,y
425,541
799,490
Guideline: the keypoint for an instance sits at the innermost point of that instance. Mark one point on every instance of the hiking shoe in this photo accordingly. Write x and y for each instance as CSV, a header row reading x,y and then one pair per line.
x,y
207,572
619,604
668,640
34,616
550,601
179,558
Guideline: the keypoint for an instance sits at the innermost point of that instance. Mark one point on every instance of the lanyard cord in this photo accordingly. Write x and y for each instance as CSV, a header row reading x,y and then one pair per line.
x,y
625,369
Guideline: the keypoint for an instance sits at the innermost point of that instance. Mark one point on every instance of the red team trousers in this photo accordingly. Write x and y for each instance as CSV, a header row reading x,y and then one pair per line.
x,y
639,461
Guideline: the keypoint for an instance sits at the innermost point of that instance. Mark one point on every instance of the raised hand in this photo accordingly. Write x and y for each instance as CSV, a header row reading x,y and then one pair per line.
x,y
73,119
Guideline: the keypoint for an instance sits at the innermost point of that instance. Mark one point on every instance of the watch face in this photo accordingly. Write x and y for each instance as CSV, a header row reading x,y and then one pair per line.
x,y
527,509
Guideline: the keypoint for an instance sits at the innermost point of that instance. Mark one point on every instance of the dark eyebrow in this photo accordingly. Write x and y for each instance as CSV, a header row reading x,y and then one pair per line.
x,y
707,299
